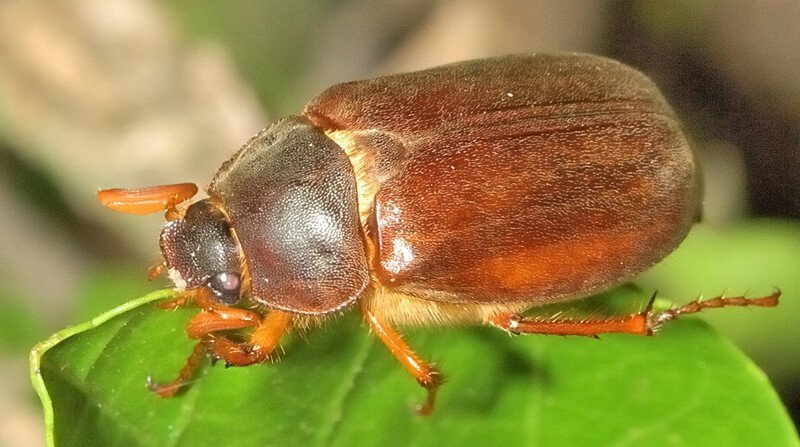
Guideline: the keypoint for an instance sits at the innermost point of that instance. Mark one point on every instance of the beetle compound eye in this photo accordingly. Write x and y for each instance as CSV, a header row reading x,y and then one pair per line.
x,y
225,287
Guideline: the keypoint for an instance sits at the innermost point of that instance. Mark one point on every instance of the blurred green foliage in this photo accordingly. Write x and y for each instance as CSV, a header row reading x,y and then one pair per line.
x,y
270,42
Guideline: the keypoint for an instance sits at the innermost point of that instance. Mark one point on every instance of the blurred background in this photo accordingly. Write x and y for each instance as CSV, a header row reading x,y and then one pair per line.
x,y
97,93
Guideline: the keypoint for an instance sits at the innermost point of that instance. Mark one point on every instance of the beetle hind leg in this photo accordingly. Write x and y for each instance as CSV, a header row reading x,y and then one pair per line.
x,y
645,322
698,305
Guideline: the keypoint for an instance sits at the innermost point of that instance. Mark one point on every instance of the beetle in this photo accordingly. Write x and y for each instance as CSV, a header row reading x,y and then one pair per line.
x,y
466,193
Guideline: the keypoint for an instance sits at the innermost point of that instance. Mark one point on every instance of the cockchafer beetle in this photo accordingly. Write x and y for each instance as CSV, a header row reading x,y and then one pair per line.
x,y
466,193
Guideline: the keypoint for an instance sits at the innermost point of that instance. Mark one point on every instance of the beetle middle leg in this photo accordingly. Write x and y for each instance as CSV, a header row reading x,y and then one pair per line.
x,y
643,323
427,376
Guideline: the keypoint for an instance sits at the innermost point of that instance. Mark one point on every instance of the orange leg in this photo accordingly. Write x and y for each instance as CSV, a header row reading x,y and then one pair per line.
x,y
200,297
202,326
215,318
224,319
642,323
698,305
427,376
186,373
262,342
181,300
147,200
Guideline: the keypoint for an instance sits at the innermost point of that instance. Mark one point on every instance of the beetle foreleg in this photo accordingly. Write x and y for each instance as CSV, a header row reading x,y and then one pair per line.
x,y
223,319
427,376
262,342
199,296
642,323
169,389
183,299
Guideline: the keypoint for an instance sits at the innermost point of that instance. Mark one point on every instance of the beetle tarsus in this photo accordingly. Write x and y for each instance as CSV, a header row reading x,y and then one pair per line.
x,y
164,390
656,319
183,299
170,389
427,407
434,381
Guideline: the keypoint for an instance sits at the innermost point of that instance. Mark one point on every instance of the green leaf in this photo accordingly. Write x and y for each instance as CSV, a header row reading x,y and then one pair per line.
x,y
337,385
751,257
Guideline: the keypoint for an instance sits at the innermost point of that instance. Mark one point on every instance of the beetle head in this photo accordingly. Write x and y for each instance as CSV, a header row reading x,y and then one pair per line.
x,y
201,251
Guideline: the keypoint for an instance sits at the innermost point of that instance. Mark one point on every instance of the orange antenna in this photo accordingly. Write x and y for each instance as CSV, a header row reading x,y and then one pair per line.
x,y
147,200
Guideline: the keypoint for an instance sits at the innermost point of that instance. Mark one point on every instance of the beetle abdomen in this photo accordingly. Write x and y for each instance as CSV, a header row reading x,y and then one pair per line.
x,y
522,178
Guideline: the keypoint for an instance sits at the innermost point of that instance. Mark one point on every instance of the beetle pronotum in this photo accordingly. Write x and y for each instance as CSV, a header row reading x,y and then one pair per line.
x,y
466,193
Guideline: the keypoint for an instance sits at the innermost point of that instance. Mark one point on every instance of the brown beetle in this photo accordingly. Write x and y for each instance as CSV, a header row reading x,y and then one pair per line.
x,y
466,193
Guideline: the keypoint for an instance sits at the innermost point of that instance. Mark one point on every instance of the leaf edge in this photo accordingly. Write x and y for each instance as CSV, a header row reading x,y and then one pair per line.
x,y
38,351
